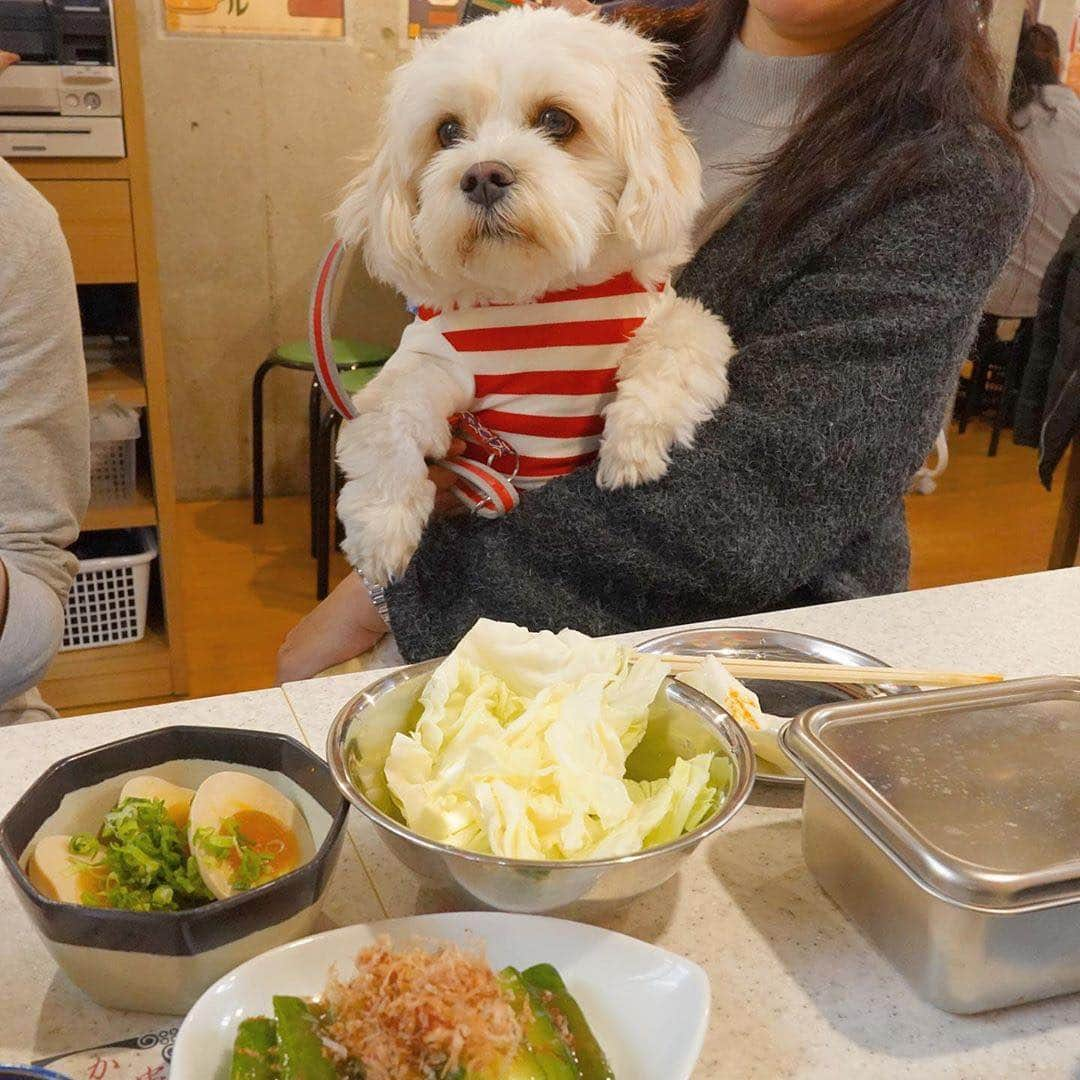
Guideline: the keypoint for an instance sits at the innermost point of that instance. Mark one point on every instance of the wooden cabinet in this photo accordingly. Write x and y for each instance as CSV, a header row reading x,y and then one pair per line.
x,y
96,218
104,207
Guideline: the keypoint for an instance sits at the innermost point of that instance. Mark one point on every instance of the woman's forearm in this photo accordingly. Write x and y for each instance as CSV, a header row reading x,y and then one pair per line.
x,y
31,625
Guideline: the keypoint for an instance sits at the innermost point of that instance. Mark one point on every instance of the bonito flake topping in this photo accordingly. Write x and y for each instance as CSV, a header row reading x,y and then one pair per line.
x,y
419,1012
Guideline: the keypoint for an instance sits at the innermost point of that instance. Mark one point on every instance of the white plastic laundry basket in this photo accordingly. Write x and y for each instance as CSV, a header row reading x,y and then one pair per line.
x,y
114,433
107,602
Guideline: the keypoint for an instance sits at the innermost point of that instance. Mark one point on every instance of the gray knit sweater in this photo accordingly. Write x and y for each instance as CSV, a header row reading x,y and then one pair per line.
x,y
850,337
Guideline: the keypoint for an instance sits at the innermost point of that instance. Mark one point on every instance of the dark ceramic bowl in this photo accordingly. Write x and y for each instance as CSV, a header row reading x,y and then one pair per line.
x,y
162,961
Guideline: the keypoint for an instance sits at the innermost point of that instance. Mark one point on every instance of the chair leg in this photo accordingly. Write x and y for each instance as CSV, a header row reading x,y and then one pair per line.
x,y
257,498
314,416
326,470
1002,406
980,366
1015,362
339,525
337,478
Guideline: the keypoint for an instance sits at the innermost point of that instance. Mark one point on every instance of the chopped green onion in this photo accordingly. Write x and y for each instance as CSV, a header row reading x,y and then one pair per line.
x,y
229,843
84,844
149,865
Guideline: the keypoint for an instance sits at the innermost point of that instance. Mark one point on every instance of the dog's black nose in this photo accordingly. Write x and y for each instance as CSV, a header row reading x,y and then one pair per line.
x,y
486,182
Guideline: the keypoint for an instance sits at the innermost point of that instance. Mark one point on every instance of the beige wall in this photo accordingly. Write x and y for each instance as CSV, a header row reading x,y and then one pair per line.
x,y
1004,28
1060,14
249,141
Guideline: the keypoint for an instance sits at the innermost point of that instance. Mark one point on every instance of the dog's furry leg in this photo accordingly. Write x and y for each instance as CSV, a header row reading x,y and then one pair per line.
x,y
673,376
388,497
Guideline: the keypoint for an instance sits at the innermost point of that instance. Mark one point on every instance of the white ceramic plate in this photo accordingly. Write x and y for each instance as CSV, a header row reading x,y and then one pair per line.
x,y
648,1007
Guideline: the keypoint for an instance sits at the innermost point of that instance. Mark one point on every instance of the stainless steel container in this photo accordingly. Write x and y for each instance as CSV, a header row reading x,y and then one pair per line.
x,y
361,736
946,825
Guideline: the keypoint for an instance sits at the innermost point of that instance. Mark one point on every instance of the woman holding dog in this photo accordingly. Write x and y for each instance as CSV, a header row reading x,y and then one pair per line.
x,y
863,190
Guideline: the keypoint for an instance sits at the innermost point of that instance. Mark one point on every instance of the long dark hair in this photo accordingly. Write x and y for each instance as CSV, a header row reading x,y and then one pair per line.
x,y
1038,60
920,72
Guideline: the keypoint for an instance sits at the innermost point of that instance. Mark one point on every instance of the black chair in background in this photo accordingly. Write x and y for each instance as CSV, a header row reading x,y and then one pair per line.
x,y
357,363
997,368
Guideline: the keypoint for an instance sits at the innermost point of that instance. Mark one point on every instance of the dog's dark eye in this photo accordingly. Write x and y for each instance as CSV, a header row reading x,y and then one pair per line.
x,y
557,123
449,132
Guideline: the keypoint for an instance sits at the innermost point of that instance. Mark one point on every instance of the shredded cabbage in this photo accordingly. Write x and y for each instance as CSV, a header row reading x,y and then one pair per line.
x,y
521,746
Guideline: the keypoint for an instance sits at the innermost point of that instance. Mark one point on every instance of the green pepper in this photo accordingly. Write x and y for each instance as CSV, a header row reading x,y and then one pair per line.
x,y
301,1054
545,983
551,1058
255,1050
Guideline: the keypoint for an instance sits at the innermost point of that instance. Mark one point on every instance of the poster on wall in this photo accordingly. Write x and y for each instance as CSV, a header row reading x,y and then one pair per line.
x,y
428,18
257,18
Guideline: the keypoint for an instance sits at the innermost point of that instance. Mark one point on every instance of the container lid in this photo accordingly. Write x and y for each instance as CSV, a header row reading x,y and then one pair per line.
x,y
975,790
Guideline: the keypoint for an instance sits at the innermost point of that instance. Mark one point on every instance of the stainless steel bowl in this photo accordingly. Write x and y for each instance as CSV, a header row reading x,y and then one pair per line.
x,y
362,733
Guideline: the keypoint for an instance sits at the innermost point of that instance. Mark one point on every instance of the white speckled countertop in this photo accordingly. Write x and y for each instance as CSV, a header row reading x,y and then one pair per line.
x,y
796,990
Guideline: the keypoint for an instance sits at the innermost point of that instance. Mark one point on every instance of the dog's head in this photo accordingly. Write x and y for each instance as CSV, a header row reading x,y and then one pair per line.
x,y
520,153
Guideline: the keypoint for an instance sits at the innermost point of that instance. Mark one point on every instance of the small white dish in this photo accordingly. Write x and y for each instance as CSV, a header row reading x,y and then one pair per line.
x,y
648,1007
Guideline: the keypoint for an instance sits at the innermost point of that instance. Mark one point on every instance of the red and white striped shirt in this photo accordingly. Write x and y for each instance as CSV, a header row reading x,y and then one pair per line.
x,y
543,371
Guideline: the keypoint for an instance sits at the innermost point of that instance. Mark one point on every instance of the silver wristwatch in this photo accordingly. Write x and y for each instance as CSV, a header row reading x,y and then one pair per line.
x,y
378,597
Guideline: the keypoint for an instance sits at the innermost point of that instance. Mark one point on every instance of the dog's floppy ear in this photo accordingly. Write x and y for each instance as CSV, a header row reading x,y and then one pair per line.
x,y
377,213
662,195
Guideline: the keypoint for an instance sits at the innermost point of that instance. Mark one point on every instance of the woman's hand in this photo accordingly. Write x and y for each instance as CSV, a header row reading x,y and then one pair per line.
x,y
344,625
7,59
446,503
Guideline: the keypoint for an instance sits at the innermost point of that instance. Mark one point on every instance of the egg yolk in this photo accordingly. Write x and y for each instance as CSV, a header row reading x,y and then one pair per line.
x,y
267,836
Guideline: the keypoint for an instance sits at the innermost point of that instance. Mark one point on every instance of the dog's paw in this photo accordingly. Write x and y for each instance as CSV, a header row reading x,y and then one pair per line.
x,y
632,461
635,449
381,537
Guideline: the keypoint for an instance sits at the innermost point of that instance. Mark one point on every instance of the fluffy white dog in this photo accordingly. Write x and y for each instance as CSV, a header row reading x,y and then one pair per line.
x,y
533,191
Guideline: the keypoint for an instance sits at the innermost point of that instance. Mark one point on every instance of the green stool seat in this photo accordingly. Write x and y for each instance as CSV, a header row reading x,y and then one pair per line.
x,y
346,352
355,381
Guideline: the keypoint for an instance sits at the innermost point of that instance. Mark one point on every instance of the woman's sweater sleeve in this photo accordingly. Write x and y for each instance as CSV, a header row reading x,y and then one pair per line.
x,y
837,391
44,447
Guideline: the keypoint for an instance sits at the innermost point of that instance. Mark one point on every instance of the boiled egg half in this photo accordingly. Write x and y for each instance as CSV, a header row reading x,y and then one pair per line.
x,y
177,799
259,817
60,875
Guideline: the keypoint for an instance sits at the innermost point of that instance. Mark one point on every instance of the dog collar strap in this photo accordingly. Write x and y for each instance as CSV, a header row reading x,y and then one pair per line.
x,y
465,426
481,488
320,335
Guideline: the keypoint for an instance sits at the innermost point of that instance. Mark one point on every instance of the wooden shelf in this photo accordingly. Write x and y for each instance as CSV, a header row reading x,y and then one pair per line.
x,y
119,382
96,217
140,511
71,168
111,673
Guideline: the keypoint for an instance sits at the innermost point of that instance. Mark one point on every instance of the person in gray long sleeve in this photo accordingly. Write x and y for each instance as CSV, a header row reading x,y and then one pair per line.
x,y
865,191
44,441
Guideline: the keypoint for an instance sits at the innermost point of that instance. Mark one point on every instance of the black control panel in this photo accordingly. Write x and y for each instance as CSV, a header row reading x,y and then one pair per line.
x,y
68,32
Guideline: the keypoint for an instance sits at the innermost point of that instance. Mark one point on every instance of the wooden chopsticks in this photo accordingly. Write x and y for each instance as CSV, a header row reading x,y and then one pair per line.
x,y
799,671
